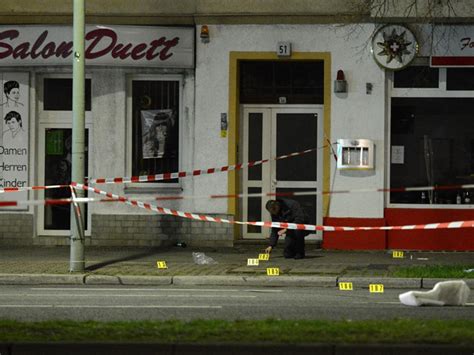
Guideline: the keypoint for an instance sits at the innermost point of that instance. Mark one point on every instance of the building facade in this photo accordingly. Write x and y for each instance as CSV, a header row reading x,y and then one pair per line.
x,y
382,99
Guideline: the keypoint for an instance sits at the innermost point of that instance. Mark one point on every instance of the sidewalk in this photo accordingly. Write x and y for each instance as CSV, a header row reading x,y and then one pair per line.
x,y
138,266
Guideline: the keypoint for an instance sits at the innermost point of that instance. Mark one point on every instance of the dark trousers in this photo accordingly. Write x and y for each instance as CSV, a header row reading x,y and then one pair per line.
x,y
294,243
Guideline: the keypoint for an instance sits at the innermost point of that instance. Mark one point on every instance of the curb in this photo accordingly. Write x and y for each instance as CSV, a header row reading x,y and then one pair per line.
x,y
429,283
301,281
41,279
220,280
127,280
296,281
146,280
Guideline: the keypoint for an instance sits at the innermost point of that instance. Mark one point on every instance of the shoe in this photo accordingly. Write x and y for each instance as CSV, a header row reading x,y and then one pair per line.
x,y
299,256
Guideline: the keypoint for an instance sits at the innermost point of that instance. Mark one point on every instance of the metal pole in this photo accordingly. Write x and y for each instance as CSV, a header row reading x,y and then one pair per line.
x,y
77,260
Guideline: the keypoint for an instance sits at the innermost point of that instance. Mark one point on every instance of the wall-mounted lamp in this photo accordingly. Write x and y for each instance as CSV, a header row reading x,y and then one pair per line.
x,y
340,84
204,34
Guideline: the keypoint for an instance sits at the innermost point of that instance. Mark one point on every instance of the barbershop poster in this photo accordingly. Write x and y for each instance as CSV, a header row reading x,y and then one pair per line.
x,y
14,152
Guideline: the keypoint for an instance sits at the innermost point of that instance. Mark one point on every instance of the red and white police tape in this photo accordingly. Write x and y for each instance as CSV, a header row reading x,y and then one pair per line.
x,y
180,174
29,188
309,227
46,202
221,196
267,194
308,193
164,176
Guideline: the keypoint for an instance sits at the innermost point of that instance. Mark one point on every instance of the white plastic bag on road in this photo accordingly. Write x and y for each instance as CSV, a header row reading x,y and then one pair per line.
x,y
203,259
445,293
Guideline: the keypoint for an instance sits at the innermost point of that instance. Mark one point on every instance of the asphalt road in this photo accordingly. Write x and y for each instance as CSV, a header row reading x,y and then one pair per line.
x,y
29,303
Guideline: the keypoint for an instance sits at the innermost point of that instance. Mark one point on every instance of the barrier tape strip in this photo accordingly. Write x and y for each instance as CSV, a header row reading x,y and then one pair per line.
x,y
309,193
77,214
180,174
49,202
268,194
29,188
223,196
164,176
308,227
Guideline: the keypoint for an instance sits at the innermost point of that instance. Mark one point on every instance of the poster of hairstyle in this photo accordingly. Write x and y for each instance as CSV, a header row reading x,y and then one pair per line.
x,y
156,132
14,111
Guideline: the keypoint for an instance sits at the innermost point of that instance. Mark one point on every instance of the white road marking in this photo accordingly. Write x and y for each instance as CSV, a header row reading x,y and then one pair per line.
x,y
264,291
92,306
382,302
115,295
374,302
143,289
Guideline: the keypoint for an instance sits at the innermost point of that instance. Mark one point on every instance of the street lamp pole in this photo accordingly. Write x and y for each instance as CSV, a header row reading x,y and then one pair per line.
x,y
77,259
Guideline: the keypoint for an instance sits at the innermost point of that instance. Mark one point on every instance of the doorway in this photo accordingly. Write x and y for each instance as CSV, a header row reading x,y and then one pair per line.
x,y
271,131
54,150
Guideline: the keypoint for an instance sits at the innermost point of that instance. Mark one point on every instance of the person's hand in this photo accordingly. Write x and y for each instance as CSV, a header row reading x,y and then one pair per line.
x,y
282,232
268,250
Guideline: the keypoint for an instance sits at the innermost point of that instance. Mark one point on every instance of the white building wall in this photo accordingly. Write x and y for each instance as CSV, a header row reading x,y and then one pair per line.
x,y
353,115
110,140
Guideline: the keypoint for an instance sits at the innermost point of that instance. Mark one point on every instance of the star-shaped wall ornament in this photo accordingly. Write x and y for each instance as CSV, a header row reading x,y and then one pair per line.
x,y
398,44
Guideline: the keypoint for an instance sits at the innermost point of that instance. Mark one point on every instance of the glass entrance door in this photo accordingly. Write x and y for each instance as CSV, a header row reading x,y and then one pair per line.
x,y
54,151
276,131
57,162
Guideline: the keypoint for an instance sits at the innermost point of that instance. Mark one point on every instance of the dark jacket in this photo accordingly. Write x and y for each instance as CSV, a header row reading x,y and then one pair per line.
x,y
290,212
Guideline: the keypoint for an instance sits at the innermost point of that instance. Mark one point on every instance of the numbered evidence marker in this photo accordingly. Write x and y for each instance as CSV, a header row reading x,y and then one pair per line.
x,y
252,262
264,256
161,265
345,286
397,254
273,271
376,288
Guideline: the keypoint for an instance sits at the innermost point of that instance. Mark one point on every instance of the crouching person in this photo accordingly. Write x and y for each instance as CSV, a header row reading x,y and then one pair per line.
x,y
290,211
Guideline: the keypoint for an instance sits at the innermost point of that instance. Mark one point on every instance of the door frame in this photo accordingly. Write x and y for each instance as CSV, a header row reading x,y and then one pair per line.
x,y
269,168
234,130
56,119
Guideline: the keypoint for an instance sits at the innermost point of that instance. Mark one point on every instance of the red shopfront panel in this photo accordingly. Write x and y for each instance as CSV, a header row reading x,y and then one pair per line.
x,y
461,239
357,240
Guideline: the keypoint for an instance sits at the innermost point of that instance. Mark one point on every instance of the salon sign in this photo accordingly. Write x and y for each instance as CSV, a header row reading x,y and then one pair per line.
x,y
104,45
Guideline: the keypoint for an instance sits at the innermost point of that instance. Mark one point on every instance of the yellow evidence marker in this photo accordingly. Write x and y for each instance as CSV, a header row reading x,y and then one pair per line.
x,y
376,288
161,265
397,254
273,271
345,286
264,256
252,262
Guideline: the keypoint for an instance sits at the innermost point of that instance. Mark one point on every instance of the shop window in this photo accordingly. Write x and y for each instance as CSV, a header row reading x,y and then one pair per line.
x,y
460,79
155,127
432,144
58,94
416,77
299,82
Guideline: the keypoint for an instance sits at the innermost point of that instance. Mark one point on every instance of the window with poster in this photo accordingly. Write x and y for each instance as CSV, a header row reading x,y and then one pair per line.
x,y
432,134
155,123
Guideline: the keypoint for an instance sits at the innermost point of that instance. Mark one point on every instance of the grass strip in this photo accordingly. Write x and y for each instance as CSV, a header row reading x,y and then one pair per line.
x,y
398,331
434,271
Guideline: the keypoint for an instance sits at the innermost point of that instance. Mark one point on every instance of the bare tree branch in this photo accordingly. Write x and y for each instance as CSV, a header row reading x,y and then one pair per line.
x,y
430,12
